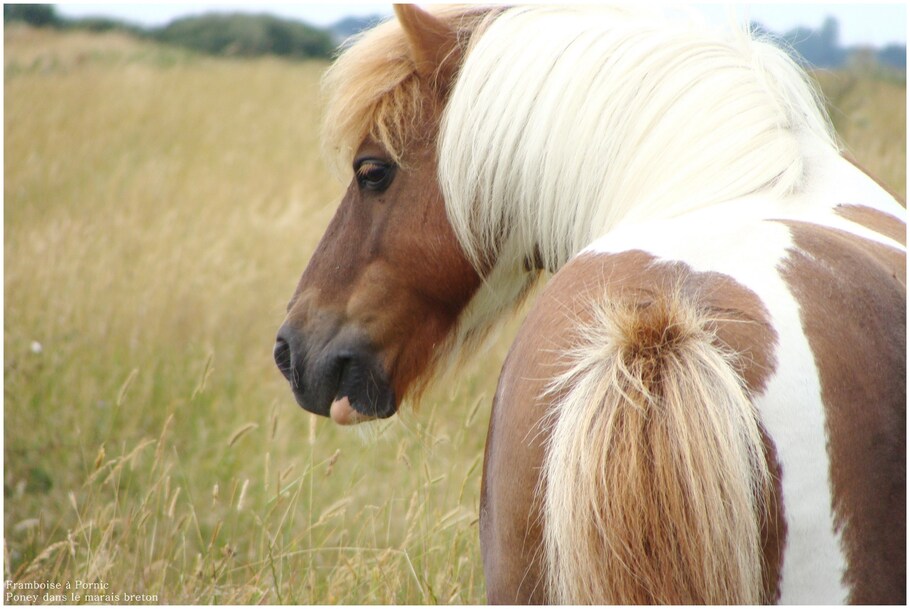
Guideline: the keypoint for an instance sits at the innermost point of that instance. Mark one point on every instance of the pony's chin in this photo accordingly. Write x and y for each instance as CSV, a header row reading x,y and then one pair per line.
x,y
343,413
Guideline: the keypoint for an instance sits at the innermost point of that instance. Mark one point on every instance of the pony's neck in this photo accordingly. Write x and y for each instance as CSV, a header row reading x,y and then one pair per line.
x,y
609,118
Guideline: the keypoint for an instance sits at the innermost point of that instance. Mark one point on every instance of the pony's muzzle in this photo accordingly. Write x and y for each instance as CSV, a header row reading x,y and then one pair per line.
x,y
282,354
344,367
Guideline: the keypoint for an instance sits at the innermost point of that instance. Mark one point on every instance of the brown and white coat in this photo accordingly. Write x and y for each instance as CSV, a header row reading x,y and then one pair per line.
x,y
813,304
707,402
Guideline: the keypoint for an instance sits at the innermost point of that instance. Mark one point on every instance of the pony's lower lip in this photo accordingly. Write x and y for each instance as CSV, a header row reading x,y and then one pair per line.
x,y
362,391
343,413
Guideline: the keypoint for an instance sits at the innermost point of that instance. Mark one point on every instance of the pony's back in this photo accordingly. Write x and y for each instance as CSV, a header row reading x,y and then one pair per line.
x,y
671,424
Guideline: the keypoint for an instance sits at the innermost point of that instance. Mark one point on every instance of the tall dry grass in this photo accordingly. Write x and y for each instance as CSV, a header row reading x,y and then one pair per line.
x,y
159,208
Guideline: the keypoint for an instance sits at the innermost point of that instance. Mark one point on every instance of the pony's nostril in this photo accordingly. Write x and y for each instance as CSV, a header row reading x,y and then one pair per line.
x,y
282,355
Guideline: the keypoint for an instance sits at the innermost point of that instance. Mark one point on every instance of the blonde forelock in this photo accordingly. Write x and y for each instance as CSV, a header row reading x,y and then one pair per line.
x,y
373,90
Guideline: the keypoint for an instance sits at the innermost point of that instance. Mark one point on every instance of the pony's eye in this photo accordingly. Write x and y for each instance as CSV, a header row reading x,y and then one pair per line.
x,y
373,174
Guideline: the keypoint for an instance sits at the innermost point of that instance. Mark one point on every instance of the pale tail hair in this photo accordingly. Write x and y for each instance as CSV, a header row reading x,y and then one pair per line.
x,y
655,480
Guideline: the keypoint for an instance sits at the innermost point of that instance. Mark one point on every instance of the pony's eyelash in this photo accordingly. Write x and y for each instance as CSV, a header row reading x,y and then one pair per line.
x,y
363,169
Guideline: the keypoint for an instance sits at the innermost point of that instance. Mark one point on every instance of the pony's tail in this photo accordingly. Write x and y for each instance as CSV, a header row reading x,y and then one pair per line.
x,y
655,481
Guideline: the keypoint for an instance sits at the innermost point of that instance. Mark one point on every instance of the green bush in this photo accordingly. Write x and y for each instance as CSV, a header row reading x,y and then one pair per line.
x,y
246,35
104,24
39,15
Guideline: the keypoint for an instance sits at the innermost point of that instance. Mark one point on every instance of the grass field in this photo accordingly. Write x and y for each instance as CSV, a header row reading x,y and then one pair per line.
x,y
159,208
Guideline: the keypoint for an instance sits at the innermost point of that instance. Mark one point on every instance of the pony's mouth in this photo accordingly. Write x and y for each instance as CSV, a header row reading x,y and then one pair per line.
x,y
342,413
345,380
363,393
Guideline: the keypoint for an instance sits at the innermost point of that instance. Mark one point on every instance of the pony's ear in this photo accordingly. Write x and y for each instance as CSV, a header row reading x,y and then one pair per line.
x,y
432,41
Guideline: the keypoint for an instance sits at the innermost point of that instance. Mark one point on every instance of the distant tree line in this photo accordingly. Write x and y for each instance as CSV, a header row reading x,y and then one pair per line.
x,y
216,33
252,35
39,15
247,35
822,48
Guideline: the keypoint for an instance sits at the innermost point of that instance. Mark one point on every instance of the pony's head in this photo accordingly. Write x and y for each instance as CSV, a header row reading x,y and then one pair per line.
x,y
480,150
388,282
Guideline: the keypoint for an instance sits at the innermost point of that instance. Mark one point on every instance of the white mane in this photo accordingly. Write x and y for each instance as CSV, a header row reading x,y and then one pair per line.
x,y
565,123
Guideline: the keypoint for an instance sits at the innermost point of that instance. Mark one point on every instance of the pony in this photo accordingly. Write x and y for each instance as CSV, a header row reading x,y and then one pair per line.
x,y
706,402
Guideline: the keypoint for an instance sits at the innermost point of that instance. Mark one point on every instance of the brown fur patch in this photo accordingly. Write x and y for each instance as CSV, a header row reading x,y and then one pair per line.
x,y
510,519
873,219
773,527
852,296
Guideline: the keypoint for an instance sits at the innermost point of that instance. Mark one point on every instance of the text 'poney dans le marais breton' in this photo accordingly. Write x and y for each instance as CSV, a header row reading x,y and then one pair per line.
x,y
75,591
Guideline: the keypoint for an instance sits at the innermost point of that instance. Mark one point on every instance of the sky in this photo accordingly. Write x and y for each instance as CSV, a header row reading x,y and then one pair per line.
x,y
860,23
